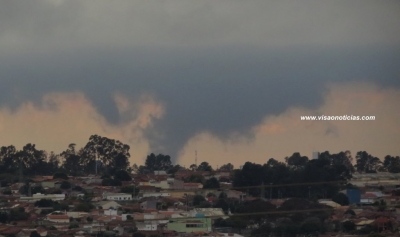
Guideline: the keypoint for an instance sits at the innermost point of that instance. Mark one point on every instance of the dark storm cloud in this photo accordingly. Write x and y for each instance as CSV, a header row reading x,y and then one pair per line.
x,y
214,70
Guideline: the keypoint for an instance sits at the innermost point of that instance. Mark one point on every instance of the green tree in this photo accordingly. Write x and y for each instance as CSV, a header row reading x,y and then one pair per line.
x,y
392,164
296,160
53,162
122,175
111,182
72,160
366,163
60,175
65,185
311,225
348,226
197,199
138,234
158,162
44,203
34,234
113,155
32,160
227,167
341,198
8,159
204,166
211,183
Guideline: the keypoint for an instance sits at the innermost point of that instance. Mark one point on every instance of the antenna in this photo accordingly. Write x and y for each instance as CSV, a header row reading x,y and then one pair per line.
x,y
195,157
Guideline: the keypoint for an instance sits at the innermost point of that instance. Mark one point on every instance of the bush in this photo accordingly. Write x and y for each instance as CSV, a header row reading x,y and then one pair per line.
x,y
111,182
348,226
341,198
138,234
44,203
73,226
122,175
77,188
60,176
65,185
7,192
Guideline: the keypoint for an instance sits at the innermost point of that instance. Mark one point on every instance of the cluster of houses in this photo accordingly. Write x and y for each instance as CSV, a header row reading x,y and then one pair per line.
x,y
162,207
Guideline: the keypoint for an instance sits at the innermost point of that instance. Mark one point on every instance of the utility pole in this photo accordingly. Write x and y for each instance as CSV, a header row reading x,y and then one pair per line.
x,y
270,192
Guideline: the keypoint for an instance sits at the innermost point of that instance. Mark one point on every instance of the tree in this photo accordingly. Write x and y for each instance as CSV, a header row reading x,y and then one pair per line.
x,y
72,160
34,234
138,234
348,226
296,160
251,174
24,189
31,160
204,166
174,169
53,162
211,183
392,164
366,163
3,217
113,155
8,160
44,203
341,198
111,182
197,199
65,185
60,175
311,225
193,167
227,167
194,179
122,175
350,212
159,162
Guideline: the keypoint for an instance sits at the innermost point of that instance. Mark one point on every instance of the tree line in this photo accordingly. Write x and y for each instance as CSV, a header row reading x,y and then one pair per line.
x,y
100,155
103,155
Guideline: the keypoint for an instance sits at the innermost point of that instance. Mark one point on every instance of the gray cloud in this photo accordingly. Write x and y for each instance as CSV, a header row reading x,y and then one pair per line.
x,y
218,67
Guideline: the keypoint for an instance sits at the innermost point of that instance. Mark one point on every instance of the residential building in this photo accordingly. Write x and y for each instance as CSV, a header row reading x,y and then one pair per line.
x,y
117,196
108,205
38,196
188,225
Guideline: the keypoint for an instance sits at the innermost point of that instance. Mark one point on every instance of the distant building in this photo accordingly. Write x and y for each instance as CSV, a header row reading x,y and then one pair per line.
x,y
38,196
354,196
315,155
117,196
188,225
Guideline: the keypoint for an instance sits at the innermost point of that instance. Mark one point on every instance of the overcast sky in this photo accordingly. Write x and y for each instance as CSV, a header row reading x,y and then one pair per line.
x,y
227,78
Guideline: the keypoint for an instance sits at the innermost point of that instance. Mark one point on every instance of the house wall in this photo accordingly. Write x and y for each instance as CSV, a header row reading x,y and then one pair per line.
x,y
189,225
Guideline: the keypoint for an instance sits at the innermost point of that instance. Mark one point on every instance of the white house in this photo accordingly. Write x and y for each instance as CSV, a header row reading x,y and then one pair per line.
x,y
156,194
38,196
148,225
117,196
108,205
58,217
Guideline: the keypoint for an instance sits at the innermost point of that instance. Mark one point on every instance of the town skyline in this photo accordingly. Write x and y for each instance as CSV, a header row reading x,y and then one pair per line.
x,y
228,79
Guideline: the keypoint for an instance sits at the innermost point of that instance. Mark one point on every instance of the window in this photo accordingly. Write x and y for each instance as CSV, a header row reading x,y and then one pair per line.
x,y
194,225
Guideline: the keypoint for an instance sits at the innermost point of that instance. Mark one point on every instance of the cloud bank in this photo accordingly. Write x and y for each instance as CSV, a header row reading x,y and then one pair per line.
x,y
217,68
